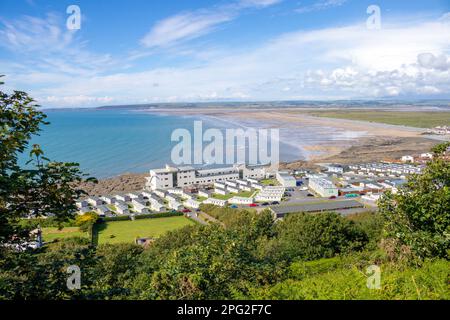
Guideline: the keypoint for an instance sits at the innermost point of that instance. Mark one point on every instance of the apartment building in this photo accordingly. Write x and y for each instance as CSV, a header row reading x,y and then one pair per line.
x,y
181,177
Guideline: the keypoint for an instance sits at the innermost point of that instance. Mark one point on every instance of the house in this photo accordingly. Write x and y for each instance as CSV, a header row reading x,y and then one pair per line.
x,y
160,193
270,193
407,159
108,200
84,210
232,189
219,185
335,168
135,196
245,187
204,193
231,184
140,206
81,203
240,200
286,180
175,205
323,187
220,191
427,155
158,207
216,202
124,198
122,208
191,203
103,210
94,201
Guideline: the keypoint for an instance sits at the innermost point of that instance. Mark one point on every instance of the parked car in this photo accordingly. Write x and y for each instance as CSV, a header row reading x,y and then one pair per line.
x,y
275,202
310,195
185,210
233,206
252,205
332,197
265,204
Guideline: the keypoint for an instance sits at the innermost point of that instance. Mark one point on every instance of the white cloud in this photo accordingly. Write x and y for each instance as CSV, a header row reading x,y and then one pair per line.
x,y
190,25
321,5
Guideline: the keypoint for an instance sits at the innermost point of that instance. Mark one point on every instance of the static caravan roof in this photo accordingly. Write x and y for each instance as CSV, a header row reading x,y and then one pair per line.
x,y
280,211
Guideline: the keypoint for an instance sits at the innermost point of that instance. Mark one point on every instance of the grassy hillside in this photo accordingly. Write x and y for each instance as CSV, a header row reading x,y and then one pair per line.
x,y
411,119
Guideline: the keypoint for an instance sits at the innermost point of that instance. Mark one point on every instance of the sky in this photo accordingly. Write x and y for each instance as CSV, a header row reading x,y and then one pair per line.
x,y
140,51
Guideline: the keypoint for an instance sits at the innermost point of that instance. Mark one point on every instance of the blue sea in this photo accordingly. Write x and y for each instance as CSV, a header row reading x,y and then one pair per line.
x,y
107,143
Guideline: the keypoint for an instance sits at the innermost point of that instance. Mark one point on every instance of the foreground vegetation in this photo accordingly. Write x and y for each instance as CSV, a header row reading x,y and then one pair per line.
x,y
418,119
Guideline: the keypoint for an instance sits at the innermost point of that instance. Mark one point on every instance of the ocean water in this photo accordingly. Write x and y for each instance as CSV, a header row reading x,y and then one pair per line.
x,y
107,143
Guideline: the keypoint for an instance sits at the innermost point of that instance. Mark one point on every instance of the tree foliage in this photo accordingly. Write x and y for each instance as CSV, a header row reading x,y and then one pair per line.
x,y
42,188
418,216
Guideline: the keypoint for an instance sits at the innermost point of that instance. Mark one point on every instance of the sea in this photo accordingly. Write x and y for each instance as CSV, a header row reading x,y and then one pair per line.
x,y
110,142
107,142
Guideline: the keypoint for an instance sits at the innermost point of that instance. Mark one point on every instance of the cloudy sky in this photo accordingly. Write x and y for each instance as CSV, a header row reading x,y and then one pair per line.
x,y
140,51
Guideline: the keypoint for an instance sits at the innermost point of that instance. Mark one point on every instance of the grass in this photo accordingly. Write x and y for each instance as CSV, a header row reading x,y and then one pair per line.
x,y
411,119
127,231
268,182
245,194
50,234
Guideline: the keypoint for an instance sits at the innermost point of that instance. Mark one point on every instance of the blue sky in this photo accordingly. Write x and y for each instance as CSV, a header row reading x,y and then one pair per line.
x,y
141,51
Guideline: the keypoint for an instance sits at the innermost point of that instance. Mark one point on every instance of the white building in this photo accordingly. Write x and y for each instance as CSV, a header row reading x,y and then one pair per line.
x,y
160,193
191,203
103,210
204,193
140,206
84,210
216,202
175,205
108,200
286,180
156,206
323,187
270,193
426,155
232,189
219,185
81,203
240,200
221,191
121,207
407,159
94,201
170,177
335,168
124,198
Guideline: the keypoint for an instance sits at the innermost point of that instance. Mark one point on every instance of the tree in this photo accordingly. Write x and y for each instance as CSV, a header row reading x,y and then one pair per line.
x,y
418,216
314,236
86,223
43,188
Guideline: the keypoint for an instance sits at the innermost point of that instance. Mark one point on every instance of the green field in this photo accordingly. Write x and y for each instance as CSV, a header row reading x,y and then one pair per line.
x,y
122,231
245,194
127,231
411,119
50,234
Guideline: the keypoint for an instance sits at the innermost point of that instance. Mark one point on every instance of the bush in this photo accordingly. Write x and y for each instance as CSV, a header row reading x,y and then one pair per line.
x,y
313,236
